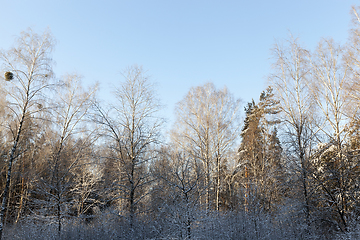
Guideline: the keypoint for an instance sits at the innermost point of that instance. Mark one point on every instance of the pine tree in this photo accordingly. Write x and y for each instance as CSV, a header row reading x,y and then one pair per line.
x,y
260,152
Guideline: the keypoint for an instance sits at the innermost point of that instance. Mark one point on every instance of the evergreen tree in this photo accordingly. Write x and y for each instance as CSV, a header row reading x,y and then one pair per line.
x,y
260,153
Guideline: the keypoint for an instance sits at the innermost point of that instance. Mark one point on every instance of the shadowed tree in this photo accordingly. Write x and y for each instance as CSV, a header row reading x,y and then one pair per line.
x,y
179,186
69,143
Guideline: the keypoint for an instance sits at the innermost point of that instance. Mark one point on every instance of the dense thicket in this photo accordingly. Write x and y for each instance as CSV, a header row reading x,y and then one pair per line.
x,y
75,168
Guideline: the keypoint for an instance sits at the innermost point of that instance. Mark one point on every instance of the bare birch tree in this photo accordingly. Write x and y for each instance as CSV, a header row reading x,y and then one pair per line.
x,y
224,134
69,144
27,68
134,127
290,83
352,61
330,77
207,127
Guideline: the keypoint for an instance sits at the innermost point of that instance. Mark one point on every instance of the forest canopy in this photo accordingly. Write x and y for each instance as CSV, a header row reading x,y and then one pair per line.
x,y
287,167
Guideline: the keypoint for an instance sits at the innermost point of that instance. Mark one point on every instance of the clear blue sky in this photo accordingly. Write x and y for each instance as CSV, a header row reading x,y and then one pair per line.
x,y
182,43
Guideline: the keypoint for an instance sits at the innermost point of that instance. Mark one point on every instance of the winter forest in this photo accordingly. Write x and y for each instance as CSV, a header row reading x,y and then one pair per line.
x,y
288,167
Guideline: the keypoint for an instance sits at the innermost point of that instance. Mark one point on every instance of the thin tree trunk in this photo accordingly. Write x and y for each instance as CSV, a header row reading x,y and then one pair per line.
x,y
132,207
304,177
188,226
8,176
218,185
23,193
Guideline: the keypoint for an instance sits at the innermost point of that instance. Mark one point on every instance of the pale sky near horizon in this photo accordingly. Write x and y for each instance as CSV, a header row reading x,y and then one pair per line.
x,y
182,44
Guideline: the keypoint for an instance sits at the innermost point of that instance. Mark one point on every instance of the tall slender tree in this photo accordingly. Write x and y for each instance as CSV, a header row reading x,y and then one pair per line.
x,y
329,79
69,146
290,83
207,127
28,69
134,127
260,153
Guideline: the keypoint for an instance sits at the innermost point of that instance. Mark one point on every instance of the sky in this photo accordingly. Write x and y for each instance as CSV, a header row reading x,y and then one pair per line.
x,y
182,44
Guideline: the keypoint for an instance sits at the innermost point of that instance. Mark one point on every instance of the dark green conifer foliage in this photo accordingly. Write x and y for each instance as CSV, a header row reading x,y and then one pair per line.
x,y
260,153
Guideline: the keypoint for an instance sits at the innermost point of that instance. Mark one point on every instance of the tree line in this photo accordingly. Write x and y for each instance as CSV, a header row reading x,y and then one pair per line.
x,y
72,166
